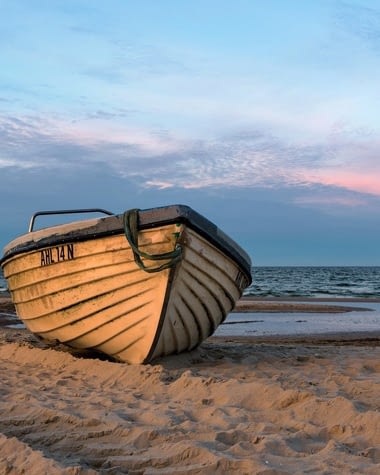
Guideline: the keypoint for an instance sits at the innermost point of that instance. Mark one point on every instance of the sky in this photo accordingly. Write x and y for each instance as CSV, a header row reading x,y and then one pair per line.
x,y
262,116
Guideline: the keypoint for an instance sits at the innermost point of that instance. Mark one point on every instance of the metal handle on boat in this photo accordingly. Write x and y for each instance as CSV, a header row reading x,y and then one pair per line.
x,y
66,211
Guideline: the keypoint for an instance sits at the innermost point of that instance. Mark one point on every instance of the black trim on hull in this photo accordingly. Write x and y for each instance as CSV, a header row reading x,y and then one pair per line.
x,y
149,218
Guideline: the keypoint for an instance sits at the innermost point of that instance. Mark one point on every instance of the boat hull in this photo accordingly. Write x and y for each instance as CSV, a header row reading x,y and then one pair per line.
x,y
88,292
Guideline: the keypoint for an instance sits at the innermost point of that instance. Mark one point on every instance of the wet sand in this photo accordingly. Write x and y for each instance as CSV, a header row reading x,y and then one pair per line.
x,y
247,405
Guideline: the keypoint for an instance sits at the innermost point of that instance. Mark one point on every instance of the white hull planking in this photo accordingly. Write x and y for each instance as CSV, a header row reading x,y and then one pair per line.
x,y
204,291
100,299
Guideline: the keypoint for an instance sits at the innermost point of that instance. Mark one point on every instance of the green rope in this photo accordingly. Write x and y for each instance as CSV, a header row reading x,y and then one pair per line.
x,y
130,221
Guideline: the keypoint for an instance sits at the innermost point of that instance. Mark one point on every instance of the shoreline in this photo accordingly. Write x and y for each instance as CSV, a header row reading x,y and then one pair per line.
x,y
280,305
353,338
309,299
246,305
272,304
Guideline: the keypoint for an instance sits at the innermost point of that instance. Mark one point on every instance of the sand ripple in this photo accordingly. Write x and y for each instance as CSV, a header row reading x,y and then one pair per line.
x,y
229,407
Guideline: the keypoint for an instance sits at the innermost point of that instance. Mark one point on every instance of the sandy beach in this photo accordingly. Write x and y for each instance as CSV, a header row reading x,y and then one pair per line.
x,y
247,405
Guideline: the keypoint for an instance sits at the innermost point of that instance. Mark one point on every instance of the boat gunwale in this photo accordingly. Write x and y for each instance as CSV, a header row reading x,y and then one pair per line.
x,y
148,219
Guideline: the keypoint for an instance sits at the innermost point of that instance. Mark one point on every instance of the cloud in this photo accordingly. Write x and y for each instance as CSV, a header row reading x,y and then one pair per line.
x,y
352,162
356,179
156,159
160,185
361,21
331,200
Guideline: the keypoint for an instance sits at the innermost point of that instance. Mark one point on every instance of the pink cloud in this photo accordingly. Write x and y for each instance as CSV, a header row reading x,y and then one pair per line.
x,y
355,180
330,200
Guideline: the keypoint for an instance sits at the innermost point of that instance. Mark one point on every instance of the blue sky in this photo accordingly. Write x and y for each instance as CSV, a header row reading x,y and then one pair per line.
x,y
263,116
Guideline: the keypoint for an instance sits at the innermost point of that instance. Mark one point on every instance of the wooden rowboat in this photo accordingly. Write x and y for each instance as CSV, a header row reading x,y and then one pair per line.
x,y
135,286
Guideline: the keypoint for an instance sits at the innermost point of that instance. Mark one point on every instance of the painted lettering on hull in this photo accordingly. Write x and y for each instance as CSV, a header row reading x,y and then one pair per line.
x,y
52,255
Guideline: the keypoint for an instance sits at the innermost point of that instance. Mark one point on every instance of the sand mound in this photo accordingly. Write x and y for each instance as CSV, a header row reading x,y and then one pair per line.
x,y
228,407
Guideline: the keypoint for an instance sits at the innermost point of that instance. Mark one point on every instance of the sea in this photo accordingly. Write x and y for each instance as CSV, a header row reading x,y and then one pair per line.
x,y
315,282
359,287
307,282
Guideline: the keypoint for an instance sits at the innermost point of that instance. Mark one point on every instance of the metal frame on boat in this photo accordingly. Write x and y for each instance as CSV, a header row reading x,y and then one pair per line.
x,y
135,286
